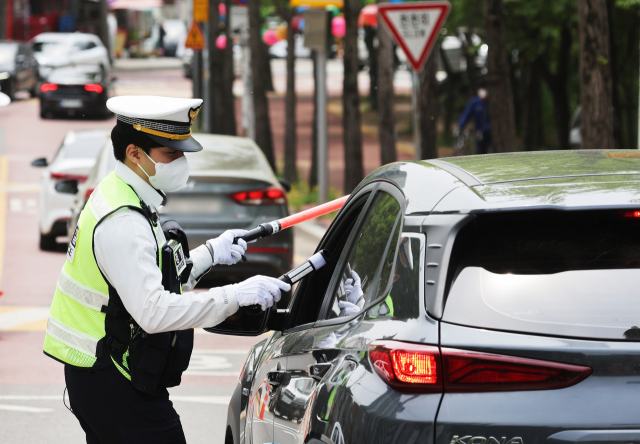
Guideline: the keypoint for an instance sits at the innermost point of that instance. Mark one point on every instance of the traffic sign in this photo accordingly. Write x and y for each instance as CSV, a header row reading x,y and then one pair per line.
x,y
195,38
317,3
414,26
201,10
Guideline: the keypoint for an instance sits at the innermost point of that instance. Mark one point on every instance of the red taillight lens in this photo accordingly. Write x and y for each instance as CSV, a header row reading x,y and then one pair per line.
x,y
64,176
87,193
94,87
423,368
467,371
632,214
406,367
48,87
269,196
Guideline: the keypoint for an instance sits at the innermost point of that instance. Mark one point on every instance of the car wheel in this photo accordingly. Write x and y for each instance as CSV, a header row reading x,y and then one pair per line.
x,y
33,92
48,242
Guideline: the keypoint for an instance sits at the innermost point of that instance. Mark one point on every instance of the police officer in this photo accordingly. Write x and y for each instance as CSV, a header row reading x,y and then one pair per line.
x,y
119,320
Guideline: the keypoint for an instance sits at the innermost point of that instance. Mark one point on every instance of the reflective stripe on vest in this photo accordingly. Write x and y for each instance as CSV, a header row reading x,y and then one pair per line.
x,y
98,204
82,294
71,337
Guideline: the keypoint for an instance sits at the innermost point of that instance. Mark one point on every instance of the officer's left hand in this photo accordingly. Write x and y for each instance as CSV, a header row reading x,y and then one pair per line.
x,y
224,250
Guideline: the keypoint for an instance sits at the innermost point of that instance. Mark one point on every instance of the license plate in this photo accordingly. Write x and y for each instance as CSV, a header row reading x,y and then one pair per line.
x,y
74,103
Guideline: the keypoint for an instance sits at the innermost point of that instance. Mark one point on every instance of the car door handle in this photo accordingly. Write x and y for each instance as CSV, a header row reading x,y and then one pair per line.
x,y
319,370
278,378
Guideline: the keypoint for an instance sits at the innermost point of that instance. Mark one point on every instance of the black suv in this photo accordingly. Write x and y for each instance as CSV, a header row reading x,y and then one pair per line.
x,y
474,300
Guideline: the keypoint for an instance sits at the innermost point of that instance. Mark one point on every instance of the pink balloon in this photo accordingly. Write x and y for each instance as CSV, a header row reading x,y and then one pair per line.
x,y
270,37
338,26
221,41
222,9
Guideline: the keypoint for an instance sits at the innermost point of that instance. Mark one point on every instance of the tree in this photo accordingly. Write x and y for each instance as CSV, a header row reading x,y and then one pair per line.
x,y
500,95
222,118
596,120
264,137
386,96
290,142
352,132
429,108
369,40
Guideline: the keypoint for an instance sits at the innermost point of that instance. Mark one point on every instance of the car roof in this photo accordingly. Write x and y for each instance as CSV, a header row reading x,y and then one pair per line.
x,y
74,136
230,156
575,179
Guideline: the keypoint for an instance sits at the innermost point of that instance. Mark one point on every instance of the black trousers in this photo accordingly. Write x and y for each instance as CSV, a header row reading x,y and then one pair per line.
x,y
111,411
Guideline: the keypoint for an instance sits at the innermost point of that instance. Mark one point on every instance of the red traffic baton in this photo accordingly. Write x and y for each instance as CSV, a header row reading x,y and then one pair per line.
x,y
269,228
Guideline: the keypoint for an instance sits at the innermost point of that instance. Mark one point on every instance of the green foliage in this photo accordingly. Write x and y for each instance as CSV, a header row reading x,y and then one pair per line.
x,y
301,196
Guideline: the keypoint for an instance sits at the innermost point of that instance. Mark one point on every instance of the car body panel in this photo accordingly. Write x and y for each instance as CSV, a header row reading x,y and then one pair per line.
x,y
605,400
18,68
71,97
70,48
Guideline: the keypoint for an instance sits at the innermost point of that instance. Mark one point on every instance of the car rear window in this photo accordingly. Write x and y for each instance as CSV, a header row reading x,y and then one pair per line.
x,y
562,273
84,147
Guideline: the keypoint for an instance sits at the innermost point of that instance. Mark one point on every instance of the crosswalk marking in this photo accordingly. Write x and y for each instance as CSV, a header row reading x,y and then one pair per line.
x,y
18,205
23,318
24,408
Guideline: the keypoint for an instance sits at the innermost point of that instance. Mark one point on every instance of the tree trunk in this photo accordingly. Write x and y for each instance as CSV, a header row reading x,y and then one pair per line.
x,y
596,121
265,62
352,132
313,173
290,171
216,73
532,113
500,94
103,27
615,90
3,20
229,76
264,138
386,97
429,107
450,84
369,40
471,63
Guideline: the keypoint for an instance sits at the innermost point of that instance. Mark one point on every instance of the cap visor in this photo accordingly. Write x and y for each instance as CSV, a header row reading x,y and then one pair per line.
x,y
189,145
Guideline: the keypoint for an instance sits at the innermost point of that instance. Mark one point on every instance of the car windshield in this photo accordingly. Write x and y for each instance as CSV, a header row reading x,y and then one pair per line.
x,y
83,146
7,52
51,48
571,274
224,156
75,75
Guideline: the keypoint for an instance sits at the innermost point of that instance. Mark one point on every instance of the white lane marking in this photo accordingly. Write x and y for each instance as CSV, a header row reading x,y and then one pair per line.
x,y
31,206
24,408
30,397
15,318
222,400
221,351
206,373
15,205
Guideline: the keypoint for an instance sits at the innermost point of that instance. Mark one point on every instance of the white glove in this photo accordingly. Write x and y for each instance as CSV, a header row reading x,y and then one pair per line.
x,y
261,290
348,308
224,251
353,288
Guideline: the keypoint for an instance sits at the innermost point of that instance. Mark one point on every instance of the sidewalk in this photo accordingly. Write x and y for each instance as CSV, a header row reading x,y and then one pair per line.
x,y
147,64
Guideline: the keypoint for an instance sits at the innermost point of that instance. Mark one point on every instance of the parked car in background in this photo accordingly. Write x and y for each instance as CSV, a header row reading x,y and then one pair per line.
x,y
175,33
79,90
279,49
71,165
467,300
231,186
56,49
18,69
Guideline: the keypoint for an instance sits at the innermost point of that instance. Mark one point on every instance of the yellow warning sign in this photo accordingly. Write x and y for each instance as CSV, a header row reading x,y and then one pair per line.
x,y
201,10
195,39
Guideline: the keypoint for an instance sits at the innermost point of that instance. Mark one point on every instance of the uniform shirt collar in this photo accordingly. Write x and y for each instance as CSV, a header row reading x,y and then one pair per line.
x,y
145,192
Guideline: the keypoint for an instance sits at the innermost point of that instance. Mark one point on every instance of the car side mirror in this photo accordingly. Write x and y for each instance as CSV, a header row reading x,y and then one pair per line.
x,y
285,184
68,186
40,162
247,321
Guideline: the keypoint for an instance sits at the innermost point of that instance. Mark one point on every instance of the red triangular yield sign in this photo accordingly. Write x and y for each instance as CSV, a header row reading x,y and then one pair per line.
x,y
414,26
195,38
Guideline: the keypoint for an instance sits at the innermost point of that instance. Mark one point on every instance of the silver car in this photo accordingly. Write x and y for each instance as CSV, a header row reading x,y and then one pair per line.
x,y
231,186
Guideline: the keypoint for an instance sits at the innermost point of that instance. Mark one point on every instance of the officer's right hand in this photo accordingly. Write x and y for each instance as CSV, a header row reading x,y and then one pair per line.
x,y
260,290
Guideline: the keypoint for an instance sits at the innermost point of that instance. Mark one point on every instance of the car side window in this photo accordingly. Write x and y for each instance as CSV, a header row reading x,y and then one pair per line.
x,y
402,292
368,267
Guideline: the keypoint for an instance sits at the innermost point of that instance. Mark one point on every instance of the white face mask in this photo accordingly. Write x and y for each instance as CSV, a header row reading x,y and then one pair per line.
x,y
169,176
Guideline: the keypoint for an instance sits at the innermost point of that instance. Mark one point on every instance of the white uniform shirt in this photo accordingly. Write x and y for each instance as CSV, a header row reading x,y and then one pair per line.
x,y
125,250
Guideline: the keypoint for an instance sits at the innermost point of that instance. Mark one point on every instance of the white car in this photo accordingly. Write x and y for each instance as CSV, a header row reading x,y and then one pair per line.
x,y
70,166
55,49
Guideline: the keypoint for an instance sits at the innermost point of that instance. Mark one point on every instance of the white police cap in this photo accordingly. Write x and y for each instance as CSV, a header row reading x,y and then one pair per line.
x,y
167,120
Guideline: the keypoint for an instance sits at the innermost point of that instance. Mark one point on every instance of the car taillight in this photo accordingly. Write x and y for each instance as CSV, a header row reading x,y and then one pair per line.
x,y
48,87
407,367
94,87
64,176
421,368
87,193
631,214
269,196
468,371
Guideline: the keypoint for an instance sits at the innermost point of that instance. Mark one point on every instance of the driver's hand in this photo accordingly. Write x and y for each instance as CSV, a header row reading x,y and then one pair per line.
x,y
260,290
353,288
347,308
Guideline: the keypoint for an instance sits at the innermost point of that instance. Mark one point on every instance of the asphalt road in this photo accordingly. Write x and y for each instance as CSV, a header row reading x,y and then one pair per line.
x,y
31,384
